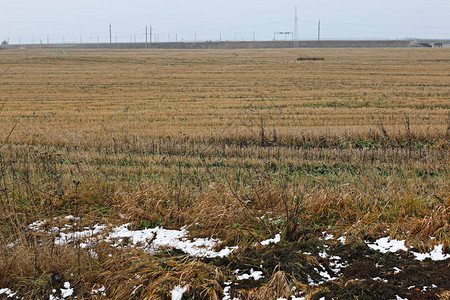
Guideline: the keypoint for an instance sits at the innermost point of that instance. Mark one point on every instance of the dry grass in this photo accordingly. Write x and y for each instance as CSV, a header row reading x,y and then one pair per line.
x,y
354,144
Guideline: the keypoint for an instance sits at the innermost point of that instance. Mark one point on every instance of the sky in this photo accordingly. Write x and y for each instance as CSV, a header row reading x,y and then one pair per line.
x,y
57,21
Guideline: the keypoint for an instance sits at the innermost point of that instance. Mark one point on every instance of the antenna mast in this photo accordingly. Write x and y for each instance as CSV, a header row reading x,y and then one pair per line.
x,y
296,29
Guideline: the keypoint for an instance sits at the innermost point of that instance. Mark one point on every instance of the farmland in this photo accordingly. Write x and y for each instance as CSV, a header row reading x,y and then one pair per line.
x,y
236,145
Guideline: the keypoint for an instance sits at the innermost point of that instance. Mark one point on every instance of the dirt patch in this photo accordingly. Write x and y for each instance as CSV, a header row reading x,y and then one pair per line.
x,y
337,271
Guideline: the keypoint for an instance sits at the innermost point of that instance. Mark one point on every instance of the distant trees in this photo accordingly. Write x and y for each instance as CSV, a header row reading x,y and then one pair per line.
x,y
4,45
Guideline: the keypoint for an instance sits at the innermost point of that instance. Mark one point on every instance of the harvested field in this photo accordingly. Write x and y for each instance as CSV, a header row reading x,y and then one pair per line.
x,y
101,151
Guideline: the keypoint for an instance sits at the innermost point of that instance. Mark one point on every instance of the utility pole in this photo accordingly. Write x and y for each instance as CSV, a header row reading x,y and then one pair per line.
x,y
80,40
296,29
48,42
64,39
195,37
318,30
146,36
150,35
220,37
254,37
110,34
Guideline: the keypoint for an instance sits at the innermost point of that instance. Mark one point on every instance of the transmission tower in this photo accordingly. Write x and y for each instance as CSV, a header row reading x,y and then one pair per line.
x,y
296,29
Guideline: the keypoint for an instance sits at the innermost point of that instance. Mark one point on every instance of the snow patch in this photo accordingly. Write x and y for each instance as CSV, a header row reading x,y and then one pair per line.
x,y
66,238
226,291
150,239
66,291
178,291
275,240
256,275
342,239
328,237
155,238
436,254
386,244
8,292
100,290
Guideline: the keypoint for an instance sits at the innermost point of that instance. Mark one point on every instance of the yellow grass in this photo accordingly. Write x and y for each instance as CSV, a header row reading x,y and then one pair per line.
x,y
355,143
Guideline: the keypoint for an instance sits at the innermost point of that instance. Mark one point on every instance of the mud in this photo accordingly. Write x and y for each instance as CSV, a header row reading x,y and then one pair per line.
x,y
364,273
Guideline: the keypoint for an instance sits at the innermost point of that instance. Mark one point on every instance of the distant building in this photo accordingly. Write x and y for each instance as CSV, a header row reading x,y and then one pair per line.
x,y
426,44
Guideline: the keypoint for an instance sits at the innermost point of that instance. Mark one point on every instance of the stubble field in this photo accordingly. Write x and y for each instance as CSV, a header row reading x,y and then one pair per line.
x,y
239,146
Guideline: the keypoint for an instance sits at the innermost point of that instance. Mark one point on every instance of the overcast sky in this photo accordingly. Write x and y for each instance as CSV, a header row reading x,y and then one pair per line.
x,y
230,19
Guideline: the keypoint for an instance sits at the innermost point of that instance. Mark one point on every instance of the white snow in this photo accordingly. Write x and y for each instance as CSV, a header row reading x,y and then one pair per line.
x,y
342,239
100,290
256,275
324,274
150,239
397,297
178,291
36,225
66,238
386,244
154,238
66,291
323,254
275,240
435,254
397,270
380,279
8,292
336,265
226,291
310,281
328,237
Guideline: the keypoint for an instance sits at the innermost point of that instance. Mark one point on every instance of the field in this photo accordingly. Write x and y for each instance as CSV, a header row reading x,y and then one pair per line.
x,y
327,149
